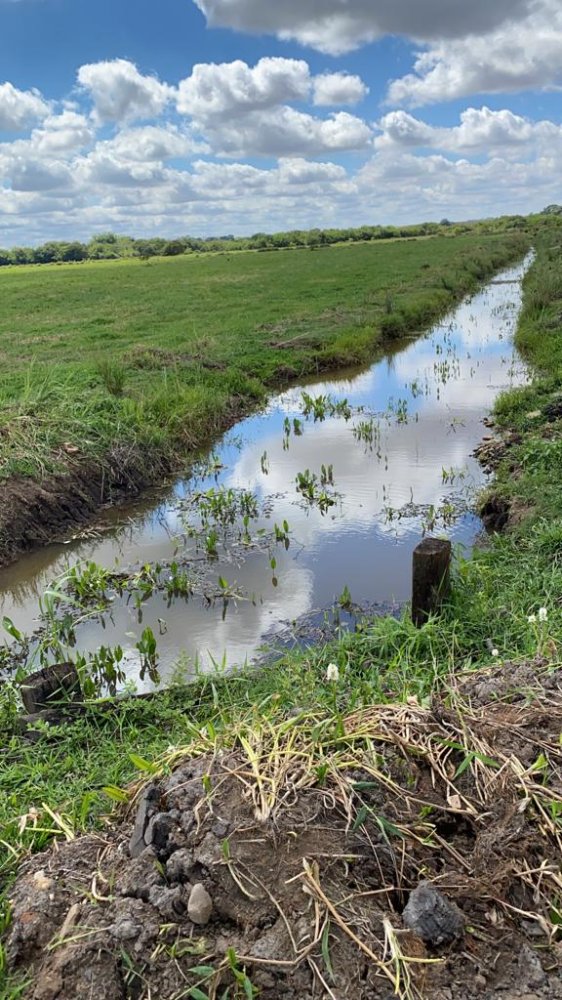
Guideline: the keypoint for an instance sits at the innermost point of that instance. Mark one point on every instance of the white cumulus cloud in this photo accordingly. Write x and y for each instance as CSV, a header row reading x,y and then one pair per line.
x,y
521,55
285,131
331,89
120,93
243,111
20,108
481,130
219,90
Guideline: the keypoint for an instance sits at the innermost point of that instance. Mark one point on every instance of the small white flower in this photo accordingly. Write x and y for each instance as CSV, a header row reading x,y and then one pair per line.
x,y
332,673
495,652
531,619
543,614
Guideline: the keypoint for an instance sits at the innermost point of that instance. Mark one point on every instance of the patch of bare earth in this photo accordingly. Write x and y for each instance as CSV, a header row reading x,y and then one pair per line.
x,y
404,851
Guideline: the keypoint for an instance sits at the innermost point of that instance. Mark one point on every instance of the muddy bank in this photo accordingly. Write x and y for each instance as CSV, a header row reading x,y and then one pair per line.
x,y
32,514
418,848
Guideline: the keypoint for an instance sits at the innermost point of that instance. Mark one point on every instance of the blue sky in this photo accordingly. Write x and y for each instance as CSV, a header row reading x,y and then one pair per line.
x,y
300,113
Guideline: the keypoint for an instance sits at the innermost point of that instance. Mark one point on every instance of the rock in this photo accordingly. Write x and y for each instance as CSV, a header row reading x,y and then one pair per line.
x,y
200,905
530,968
146,808
158,832
220,829
431,916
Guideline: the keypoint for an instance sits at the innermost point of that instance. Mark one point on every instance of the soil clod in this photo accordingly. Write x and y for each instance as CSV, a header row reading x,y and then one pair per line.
x,y
431,916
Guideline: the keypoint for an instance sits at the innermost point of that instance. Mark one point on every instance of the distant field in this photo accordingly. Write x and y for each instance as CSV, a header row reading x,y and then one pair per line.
x,y
154,355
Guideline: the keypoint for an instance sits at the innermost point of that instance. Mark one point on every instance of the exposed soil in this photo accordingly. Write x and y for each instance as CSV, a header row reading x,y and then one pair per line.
x,y
322,865
32,513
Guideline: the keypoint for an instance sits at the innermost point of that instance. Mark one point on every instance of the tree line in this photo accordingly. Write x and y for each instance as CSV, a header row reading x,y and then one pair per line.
x,y
112,246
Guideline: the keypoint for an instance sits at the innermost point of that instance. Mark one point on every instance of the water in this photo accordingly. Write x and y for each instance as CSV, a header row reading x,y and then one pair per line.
x,y
433,392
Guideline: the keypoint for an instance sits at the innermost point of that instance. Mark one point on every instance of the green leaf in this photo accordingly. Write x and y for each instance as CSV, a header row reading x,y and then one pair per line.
x,y
361,817
326,951
11,628
197,994
115,793
202,970
487,760
249,989
386,827
463,766
141,764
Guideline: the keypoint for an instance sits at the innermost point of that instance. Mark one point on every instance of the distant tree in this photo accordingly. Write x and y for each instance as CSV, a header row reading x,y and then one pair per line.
x,y
552,210
445,222
22,255
173,248
73,252
47,253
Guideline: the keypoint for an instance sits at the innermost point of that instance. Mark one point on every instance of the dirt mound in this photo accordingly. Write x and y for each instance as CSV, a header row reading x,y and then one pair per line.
x,y
401,851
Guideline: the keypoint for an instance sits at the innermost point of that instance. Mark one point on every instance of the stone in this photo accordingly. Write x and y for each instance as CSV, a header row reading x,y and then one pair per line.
x,y
431,916
200,905
146,808
158,832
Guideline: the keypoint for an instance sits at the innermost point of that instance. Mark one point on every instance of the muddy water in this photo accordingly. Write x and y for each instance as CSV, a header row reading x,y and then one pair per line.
x,y
424,400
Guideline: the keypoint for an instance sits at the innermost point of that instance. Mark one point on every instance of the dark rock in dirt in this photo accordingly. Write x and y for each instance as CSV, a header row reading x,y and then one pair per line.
x,y
200,905
431,916
157,833
146,808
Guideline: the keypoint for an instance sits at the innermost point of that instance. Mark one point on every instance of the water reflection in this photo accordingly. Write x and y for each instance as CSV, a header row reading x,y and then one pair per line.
x,y
425,401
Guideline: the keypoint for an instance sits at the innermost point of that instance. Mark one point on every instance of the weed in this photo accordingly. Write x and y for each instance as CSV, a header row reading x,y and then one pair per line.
x,y
113,376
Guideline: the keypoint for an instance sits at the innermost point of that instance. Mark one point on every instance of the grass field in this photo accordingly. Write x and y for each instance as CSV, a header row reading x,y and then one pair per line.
x,y
157,355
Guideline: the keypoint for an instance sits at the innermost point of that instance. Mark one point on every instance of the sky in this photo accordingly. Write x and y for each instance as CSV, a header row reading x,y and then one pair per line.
x,y
209,117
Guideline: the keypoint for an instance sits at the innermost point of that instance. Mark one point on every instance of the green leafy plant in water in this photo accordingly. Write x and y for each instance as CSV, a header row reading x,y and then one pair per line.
x,y
321,407
282,534
307,484
211,539
148,652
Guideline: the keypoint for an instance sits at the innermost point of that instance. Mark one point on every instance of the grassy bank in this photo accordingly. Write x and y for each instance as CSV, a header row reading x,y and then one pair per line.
x,y
113,372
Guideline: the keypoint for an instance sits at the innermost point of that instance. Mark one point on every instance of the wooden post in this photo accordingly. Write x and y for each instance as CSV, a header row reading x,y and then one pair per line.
x,y
46,687
430,578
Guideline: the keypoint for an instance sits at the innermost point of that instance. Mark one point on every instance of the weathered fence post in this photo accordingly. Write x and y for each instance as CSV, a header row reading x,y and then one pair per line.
x,y
430,578
46,687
